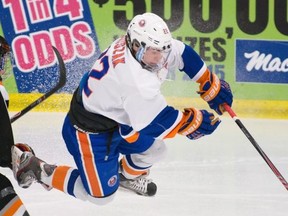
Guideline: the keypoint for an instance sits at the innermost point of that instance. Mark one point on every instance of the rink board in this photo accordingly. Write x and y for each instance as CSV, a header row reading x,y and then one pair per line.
x,y
244,108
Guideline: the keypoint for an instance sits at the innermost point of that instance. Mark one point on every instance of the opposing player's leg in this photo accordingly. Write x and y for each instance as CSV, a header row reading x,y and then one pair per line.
x,y
6,135
136,167
10,202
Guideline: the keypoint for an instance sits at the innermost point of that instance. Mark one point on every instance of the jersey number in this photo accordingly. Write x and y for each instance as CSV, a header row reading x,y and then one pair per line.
x,y
98,74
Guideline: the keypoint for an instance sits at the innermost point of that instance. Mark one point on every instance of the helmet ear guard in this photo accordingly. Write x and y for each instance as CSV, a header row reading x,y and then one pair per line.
x,y
128,41
131,44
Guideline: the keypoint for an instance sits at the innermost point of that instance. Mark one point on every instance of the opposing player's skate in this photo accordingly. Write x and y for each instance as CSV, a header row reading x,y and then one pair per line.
x,y
139,185
27,168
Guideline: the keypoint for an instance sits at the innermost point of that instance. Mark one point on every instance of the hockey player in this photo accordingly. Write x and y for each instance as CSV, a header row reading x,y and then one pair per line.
x,y
118,118
10,202
4,56
4,92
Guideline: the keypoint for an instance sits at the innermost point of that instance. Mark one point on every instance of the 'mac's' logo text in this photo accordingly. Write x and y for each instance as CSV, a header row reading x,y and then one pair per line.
x,y
261,61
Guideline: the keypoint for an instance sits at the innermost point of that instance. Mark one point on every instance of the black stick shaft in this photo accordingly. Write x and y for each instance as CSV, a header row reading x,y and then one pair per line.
x,y
255,144
60,84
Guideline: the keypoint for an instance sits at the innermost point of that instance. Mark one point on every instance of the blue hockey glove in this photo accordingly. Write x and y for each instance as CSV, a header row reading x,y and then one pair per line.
x,y
216,92
197,123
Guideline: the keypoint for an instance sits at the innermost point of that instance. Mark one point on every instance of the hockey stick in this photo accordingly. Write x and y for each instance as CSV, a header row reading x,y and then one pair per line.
x,y
60,84
254,143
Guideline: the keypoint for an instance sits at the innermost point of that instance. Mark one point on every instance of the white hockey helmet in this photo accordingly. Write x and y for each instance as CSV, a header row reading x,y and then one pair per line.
x,y
149,31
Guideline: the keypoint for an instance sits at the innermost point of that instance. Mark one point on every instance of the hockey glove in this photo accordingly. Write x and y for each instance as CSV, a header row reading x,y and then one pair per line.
x,y
197,123
216,92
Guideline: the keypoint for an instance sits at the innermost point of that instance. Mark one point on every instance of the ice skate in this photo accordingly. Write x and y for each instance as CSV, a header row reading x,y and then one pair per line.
x,y
28,169
139,185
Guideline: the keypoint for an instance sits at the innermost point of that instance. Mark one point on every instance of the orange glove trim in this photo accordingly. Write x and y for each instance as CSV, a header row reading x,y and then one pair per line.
x,y
205,77
192,126
214,89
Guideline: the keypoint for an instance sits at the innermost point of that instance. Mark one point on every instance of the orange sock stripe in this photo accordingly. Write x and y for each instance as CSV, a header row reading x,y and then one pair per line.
x,y
89,165
130,170
59,176
14,207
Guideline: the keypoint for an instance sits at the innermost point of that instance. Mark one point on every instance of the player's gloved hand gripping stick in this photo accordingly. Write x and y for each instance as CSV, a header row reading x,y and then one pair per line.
x,y
198,123
255,144
215,92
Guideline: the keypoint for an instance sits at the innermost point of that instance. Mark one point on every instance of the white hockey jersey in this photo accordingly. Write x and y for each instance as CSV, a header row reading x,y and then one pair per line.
x,y
120,89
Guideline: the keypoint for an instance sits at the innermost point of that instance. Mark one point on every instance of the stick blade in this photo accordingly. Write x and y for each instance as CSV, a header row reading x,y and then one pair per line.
x,y
62,68
58,86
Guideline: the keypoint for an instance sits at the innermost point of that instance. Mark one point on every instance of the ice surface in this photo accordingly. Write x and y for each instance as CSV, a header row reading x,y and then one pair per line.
x,y
218,175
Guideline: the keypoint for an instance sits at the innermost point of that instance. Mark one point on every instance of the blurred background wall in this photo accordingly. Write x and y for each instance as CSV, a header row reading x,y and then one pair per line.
x,y
243,41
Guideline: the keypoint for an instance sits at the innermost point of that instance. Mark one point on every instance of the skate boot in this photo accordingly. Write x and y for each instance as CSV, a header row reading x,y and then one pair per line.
x,y
139,185
28,169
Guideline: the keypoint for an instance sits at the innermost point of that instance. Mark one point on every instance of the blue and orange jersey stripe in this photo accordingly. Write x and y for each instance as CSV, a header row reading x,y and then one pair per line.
x,y
163,125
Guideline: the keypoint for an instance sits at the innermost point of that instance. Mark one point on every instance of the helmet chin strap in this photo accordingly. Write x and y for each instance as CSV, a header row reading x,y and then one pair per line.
x,y
139,54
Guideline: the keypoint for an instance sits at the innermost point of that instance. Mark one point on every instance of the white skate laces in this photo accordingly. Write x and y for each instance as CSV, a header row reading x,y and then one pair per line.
x,y
139,185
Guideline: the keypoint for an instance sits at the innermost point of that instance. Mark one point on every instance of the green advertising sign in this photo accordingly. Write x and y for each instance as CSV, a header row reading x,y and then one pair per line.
x,y
242,41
